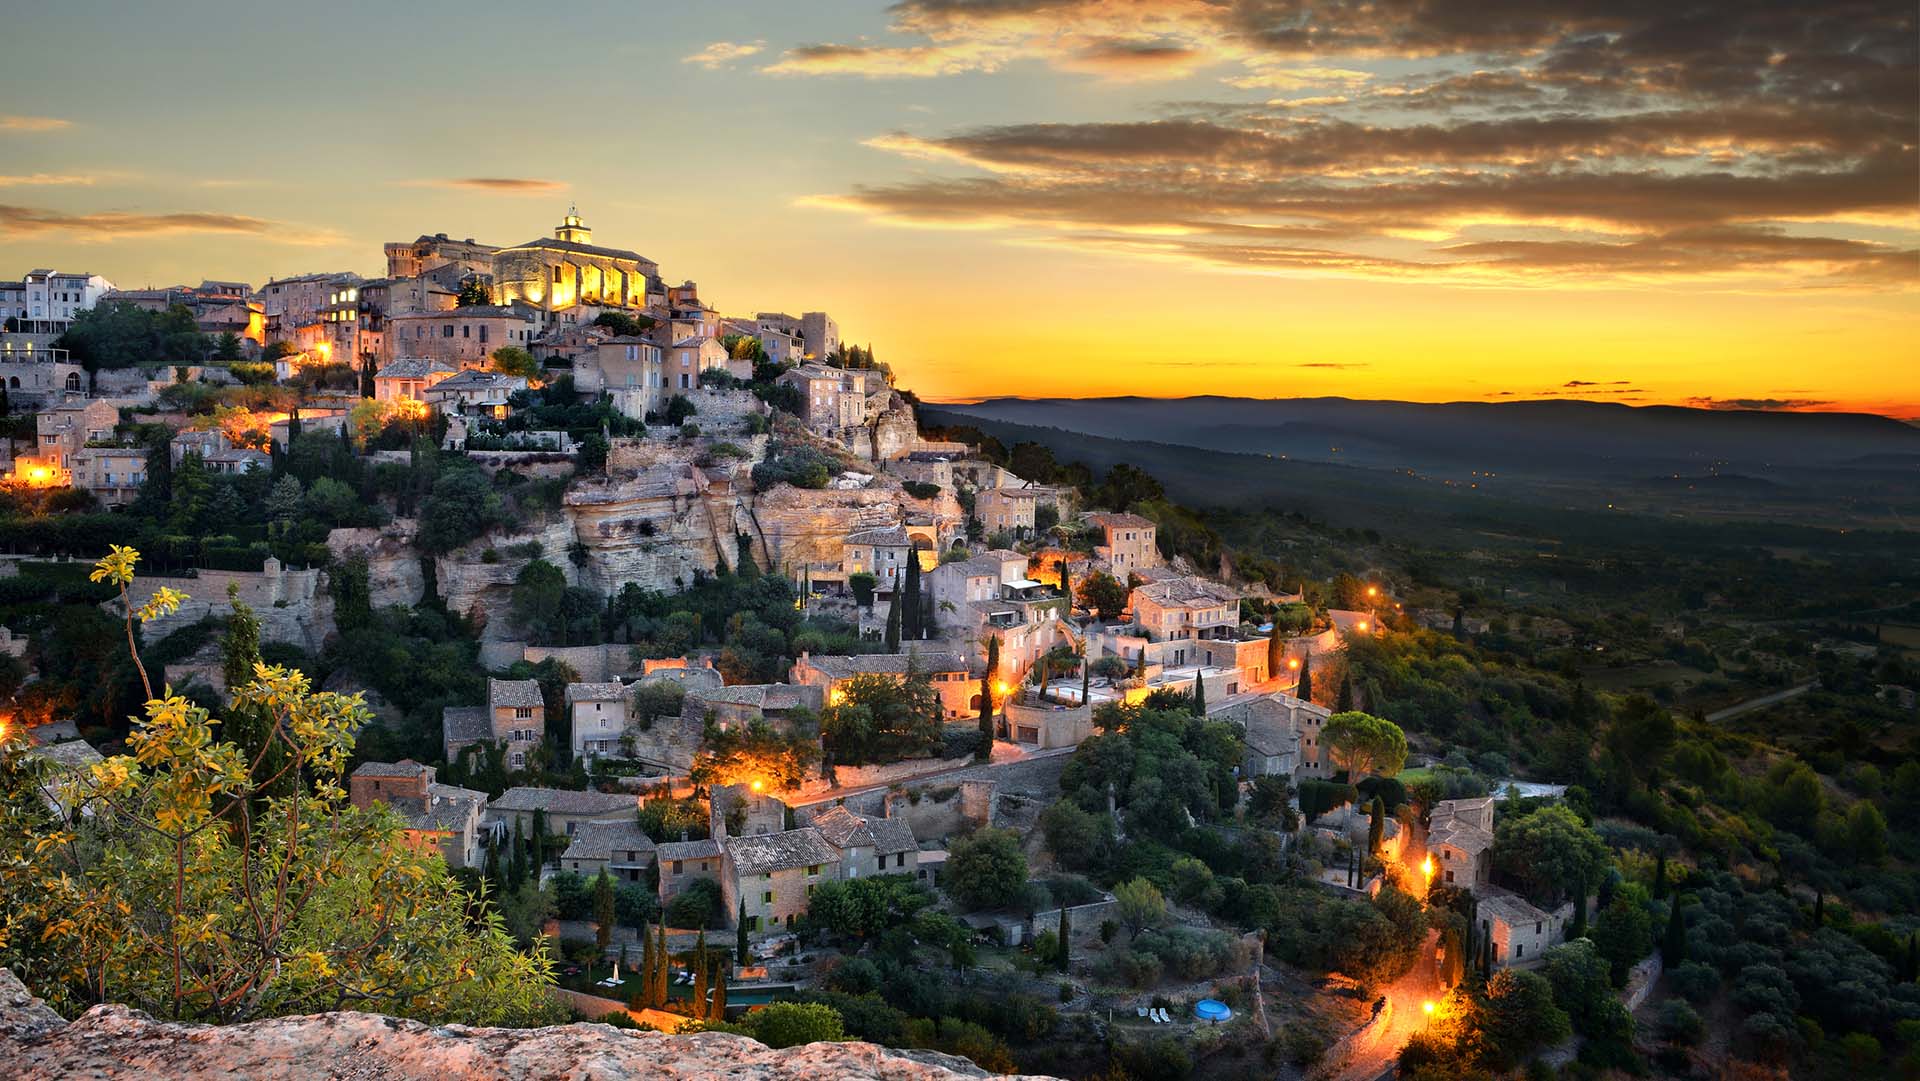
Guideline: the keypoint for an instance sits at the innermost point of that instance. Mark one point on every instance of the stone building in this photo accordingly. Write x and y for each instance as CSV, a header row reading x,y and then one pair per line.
x,y
1186,608
64,429
621,849
1005,510
412,259
409,379
515,715
34,376
1521,933
833,399
682,863
1460,839
438,817
771,876
565,811
830,674
1129,543
599,715
45,301
568,270
466,337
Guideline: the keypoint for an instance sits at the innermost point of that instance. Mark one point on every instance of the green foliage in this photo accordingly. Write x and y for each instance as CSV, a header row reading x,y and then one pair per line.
x,y
1547,850
1139,905
798,464
1364,745
1161,764
624,324
882,718
865,908
1623,935
119,334
699,905
986,870
462,506
757,752
790,1024
1104,593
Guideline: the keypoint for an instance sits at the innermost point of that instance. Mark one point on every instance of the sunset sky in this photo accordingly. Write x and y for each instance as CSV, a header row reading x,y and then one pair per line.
x,y
1651,202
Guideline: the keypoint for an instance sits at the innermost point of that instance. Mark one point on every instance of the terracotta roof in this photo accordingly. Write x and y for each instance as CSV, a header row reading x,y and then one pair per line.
x,y
843,829
1187,592
413,368
891,835
886,537
768,852
1120,521
1510,909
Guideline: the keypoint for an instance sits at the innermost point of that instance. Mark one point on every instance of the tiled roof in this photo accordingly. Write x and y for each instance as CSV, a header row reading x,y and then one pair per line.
x,y
478,380
842,828
466,724
406,767
763,695
1188,592
1270,729
448,809
514,692
413,368
891,835
889,664
764,853
472,311
886,537
687,850
1510,909
1461,835
564,801
596,692
599,840
577,248
1120,521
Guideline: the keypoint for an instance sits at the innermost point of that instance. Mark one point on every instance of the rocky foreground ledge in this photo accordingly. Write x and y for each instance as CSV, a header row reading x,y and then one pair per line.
x,y
114,1042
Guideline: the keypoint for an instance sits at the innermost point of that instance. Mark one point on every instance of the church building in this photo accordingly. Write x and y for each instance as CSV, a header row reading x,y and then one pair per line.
x,y
569,270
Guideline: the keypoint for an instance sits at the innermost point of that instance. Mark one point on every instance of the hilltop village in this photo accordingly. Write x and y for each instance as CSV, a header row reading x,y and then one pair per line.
x,y
722,694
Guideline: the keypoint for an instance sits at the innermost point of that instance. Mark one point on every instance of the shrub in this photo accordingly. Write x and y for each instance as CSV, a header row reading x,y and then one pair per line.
x,y
1695,981
1679,1023
920,489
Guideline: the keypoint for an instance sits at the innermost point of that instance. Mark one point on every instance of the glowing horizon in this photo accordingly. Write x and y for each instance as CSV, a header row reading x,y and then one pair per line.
x,y
1062,198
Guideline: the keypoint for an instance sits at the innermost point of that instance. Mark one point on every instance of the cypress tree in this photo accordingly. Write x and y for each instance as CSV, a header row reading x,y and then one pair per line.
x,y
661,961
1304,688
1066,948
645,994
740,935
1344,700
1086,675
1673,948
1276,650
603,911
985,750
910,619
893,624
1579,927
1660,875
1199,703
1066,584
1819,909
718,1011
496,883
700,976
1377,829
517,866
538,842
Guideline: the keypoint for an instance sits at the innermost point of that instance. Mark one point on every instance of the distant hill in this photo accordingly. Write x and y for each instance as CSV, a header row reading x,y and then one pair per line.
x,y
1543,439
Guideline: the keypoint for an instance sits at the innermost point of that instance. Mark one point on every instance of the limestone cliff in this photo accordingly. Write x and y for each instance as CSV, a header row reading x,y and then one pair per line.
x,y
116,1042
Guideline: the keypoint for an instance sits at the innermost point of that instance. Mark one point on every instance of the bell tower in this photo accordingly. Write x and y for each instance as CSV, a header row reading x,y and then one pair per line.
x,y
571,228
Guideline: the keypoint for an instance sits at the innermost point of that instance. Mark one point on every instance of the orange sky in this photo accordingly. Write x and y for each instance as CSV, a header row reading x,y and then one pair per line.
x,y
1065,197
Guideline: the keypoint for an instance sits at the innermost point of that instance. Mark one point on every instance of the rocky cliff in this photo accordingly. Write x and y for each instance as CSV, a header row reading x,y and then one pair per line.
x,y
116,1042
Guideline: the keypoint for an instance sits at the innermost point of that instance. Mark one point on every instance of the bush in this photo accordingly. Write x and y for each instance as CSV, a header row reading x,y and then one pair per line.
x,y
920,489
799,465
790,1024
696,906
1695,981
1679,1023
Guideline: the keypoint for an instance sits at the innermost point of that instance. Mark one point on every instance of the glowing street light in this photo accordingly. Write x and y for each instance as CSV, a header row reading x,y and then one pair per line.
x,y
1428,1007
1426,867
1373,591
1293,663
758,784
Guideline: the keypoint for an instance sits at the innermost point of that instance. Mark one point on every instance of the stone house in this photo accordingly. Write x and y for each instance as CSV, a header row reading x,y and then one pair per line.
x,y
867,845
682,863
621,849
631,368
565,810
773,875
688,357
598,712
568,270
1008,510
830,674
34,377
1129,543
1460,839
64,429
438,817
515,714
833,399
1521,933
409,379
1186,608
742,704
113,474
462,337
1272,742
475,393
882,553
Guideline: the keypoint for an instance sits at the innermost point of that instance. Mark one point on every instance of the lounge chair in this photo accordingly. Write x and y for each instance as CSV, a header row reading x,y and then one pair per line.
x,y
1140,1011
1158,1017
1165,1017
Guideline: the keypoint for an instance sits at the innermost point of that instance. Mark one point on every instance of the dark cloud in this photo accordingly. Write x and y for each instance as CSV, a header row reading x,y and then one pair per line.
x,y
104,225
1757,404
1545,140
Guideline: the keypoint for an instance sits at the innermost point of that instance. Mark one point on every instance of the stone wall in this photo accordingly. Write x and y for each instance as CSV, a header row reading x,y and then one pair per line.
x,y
293,605
114,1041
394,574
596,664
940,809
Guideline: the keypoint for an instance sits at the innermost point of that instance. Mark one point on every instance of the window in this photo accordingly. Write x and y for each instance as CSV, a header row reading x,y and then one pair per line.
x,y
676,867
522,713
813,870
1519,950
766,898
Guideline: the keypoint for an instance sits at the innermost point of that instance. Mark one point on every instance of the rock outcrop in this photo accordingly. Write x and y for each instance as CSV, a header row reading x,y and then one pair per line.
x,y
116,1042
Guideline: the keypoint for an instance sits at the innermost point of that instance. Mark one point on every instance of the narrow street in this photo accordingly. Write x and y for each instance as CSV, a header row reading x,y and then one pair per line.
x,y
1762,702
1405,998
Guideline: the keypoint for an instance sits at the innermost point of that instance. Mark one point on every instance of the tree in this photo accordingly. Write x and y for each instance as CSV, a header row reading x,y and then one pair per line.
x,y
603,910
1271,801
791,1024
1105,594
1519,1018
986,870
461,506
1140,905
866,908
169,895
740,934
1364,745
892,633
701,965
678,409
1064,958
1276,651
473,293
985,749
756,754
537,592
1673,945
1549,850
1303,685
1867,832
593,454
1197,702
1623,935
513,360
910,620
1376,825
882,718
862,584
1343,702
1640,736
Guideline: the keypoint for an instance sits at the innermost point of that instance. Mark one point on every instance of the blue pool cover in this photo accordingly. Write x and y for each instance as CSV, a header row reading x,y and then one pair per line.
x,y
1208,1009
